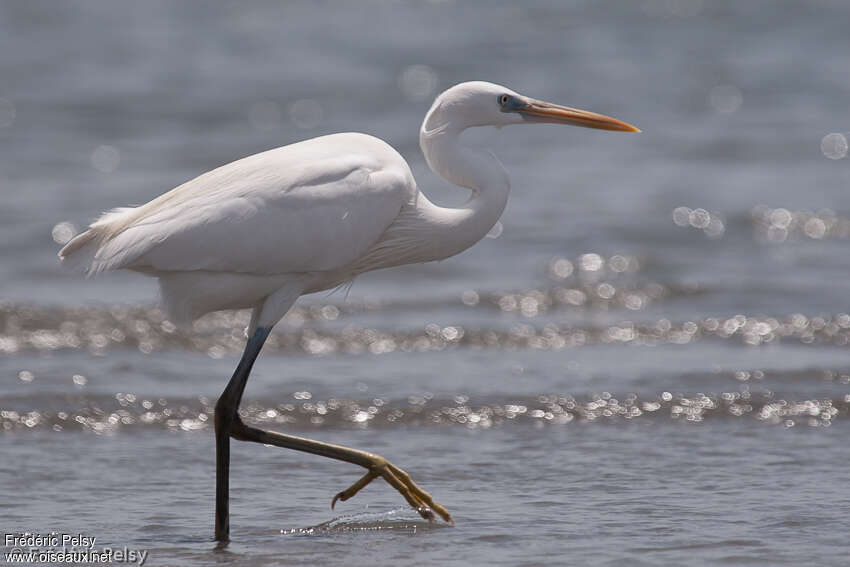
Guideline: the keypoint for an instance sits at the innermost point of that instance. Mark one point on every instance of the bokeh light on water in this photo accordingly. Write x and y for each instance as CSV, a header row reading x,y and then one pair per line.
x,y
306,113
710,223
662,383
63,232
418,82
107,414
834,145
102,330
496,231
105,158
725,99
780,224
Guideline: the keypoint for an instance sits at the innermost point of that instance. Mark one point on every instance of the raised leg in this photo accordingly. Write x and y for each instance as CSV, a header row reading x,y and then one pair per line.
x,y
376,466
228,424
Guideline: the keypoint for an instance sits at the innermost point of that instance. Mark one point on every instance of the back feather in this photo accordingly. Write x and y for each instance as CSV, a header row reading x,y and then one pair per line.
x,y
80,254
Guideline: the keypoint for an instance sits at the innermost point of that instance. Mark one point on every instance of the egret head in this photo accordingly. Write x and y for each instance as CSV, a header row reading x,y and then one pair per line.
x,y
478,103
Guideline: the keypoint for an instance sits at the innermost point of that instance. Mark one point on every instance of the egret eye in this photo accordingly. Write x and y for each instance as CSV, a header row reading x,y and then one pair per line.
x,y
503,100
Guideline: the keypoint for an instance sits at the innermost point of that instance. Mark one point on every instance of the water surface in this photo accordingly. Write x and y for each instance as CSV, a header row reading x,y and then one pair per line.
x,y
646,364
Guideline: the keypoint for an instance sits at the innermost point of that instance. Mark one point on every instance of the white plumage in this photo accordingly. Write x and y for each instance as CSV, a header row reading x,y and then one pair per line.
x,y
311,206
232,236
312,215
263,230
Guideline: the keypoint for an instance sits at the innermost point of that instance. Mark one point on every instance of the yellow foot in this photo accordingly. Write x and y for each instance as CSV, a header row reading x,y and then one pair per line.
x,y
420,500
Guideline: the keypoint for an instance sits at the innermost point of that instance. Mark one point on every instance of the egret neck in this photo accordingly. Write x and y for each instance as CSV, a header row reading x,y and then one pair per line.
x,y
456,229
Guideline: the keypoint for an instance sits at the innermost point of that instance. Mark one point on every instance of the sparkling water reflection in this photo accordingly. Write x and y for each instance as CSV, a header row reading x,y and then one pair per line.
x,y
645,366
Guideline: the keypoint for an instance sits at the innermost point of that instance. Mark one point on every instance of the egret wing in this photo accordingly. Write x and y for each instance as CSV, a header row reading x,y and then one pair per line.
x,y
312,206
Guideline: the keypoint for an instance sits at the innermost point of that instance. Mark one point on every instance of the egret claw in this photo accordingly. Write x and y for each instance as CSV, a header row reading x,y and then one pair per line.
x,y
418,499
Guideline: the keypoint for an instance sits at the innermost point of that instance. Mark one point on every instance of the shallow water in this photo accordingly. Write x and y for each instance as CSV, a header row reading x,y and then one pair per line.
x,y
647,364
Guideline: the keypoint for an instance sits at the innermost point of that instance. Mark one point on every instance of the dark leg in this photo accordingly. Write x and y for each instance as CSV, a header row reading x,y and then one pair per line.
x,y
229,424
226,412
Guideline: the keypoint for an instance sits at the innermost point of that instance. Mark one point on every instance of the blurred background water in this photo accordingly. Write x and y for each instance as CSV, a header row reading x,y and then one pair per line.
x,y
646,362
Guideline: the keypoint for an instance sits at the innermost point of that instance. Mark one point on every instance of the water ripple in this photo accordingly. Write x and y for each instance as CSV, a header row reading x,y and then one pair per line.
x,y
403,520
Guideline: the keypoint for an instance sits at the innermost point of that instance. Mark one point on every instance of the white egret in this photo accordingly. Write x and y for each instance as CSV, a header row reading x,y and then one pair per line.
x,y
262,231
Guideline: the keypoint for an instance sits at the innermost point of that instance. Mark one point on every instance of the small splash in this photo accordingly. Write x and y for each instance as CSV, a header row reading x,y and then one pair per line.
x,y
403,520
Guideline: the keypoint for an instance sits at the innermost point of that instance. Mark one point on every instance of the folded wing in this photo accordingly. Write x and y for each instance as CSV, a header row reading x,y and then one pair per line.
x,y
313,206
